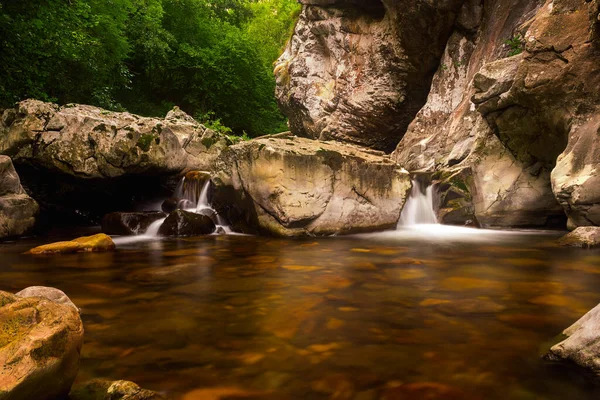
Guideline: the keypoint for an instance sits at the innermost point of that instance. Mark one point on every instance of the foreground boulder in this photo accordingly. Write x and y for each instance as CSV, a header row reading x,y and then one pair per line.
x,y
358,71
184,223
98,389
582,345
18,211
584,236
84,162
289,186
94,243
40,344
126,224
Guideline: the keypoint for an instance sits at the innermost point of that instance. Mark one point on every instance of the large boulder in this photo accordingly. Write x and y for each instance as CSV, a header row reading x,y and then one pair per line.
x,y
18,211
40,344
358,71
582,343
133,223
185,223
516,85
290,186
89,161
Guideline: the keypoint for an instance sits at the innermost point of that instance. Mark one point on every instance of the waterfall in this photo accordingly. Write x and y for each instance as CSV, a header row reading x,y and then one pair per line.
x,y
418,208
193,197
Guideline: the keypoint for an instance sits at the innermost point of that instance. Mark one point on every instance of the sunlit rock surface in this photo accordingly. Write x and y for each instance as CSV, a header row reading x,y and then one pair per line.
x,y
358,71
582,345
17,210
506,118
94,243
40,344
291,186
96,160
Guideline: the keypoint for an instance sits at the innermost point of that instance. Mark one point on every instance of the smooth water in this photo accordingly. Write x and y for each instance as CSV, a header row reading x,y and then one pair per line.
x,y
462,314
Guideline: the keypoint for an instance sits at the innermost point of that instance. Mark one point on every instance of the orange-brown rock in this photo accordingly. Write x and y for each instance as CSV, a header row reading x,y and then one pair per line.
x,y
94,243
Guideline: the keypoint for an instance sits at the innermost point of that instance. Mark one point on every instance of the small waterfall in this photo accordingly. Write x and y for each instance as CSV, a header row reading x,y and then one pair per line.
x,y
419,208
192,193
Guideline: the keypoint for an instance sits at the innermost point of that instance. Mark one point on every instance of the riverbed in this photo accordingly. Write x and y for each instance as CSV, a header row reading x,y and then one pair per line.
x,y
455,313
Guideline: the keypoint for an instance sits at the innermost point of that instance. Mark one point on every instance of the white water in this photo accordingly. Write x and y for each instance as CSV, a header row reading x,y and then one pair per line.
x,y
419,206
195,201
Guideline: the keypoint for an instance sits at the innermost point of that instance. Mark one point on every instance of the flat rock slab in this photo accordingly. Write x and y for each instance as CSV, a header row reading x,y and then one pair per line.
x,y
94,243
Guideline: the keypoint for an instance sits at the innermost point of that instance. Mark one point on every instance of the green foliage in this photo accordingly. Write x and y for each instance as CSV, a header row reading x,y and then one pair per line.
x,y
211,57
515,44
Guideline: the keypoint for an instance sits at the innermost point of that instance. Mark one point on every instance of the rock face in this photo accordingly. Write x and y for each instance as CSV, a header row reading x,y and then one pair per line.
x,y
582,345
126,224
94,161
112,390
358,71
40,343
17,210
289,186
510,127
584,236
184,223
502,120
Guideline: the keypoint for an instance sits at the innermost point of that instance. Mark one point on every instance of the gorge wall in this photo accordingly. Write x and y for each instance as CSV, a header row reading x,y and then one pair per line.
x,y
510,125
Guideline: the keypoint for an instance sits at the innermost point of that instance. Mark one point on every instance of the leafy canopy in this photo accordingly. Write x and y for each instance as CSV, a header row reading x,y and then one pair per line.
x,y
213,58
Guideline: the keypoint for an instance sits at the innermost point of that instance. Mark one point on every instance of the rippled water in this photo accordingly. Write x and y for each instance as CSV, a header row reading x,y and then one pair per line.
x,y
453,313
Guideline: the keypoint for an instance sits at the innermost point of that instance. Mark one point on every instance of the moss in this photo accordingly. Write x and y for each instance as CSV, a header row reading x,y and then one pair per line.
x,y
11,329
208,141
145,141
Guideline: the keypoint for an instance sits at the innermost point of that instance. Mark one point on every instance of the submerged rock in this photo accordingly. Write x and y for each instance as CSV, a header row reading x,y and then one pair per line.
x,y
289,186
184,223
135,223
40,344
99,389
584,236
18,211
582,345
95,243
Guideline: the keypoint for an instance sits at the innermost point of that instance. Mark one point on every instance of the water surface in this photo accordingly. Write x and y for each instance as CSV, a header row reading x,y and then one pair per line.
x,y
394,315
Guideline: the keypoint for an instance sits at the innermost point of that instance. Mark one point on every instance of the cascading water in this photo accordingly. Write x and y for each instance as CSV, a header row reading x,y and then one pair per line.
x,y
193,197
419,207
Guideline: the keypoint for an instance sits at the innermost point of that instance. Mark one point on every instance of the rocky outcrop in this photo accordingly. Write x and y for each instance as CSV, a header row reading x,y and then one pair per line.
x,y
290,186
358,71
515,86
584,236
92,161
17,210
40,344
94,243
98,389
582,343
184,223
126,224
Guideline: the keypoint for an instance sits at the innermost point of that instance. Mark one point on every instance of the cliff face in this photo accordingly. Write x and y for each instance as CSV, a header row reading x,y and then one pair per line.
x,y
359,70
510,127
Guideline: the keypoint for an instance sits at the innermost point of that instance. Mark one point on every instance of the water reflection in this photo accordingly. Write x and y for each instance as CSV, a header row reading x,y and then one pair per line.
x,y
395,315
